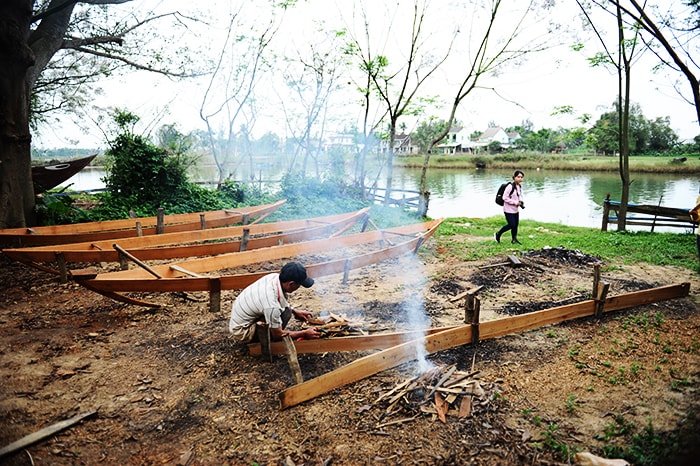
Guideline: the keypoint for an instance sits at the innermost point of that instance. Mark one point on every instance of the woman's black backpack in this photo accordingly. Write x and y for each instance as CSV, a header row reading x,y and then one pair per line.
x,y
501,190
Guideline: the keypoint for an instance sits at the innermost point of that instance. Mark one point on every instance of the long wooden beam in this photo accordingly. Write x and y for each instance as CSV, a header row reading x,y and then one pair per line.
x,y
462,335
355,343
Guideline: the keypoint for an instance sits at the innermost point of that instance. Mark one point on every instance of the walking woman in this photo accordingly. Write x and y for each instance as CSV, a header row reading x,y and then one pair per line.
x,y
512,199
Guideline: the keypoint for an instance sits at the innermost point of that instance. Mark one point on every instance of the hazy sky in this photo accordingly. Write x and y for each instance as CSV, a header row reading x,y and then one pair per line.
x,y
531,91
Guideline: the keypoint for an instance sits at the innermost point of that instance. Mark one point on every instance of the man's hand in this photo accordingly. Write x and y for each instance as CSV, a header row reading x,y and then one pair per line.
x,y
302,315
310,333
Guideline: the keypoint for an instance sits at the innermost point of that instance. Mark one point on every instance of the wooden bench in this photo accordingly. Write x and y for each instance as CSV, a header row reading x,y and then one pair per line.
x,y
647,215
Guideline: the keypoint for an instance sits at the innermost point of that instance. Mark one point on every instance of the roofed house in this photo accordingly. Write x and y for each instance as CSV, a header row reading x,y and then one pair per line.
x,y
402,144
340,141
493,134
457,140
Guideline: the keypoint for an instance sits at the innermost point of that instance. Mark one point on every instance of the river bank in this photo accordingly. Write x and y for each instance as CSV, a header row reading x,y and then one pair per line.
x,y
579,163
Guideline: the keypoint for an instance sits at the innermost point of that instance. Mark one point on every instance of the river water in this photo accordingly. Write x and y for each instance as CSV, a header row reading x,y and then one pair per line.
x,y
566,197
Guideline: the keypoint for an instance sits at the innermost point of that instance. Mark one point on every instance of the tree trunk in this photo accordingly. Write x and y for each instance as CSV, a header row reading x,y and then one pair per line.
x,y
16,59
390,161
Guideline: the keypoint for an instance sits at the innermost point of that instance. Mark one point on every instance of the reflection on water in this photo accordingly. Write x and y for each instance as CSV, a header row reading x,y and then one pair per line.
x,y
551,196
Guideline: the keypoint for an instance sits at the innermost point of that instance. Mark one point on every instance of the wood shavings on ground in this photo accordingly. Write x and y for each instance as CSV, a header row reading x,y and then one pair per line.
x,y
440,392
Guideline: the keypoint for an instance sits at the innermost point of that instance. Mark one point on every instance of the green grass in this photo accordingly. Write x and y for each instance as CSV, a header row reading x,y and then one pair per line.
x,y
614,248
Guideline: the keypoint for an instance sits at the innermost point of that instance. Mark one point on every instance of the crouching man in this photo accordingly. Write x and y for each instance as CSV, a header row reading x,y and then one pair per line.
x,y
266,301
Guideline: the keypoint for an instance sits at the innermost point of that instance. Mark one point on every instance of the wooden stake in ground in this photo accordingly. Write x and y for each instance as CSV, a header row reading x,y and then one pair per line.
x,y
43,433
292,358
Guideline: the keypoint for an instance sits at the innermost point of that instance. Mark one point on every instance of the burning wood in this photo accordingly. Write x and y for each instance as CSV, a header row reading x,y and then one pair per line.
x,y
441,391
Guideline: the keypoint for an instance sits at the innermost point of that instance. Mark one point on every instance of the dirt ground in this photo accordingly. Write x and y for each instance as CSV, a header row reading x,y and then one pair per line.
x,y
170,387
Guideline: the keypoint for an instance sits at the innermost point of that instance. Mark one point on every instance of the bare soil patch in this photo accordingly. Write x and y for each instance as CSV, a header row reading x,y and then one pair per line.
x,y
171,387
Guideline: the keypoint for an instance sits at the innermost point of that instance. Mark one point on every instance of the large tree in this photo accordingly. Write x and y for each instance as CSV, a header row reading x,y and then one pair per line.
x,y
397,76
497,44
33,33
671,30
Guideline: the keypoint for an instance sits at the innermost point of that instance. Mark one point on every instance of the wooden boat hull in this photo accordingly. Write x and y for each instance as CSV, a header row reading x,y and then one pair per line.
x,y
172,278
126,228
190,244
47,177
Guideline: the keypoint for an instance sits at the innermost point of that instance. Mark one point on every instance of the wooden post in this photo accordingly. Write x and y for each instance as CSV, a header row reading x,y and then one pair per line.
x,y
346,271
215,295
292,359
472,307
600,297
62,267
202,222
160,226
244,240
246,219
596,279
123,262
419,243
606,213
263,331
365,223
139,229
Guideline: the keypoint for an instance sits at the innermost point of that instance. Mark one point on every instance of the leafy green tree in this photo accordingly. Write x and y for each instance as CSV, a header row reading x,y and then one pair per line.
x,y
144,177
644,135
661,137
494,146
425,134
543,140
51,50
268,143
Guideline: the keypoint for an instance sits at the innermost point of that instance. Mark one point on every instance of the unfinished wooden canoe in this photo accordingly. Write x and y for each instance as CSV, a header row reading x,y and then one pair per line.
x,y
125,228
190,275
208,242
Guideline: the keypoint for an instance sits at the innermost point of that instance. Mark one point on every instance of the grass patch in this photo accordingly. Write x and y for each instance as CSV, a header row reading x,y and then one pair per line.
x,y
622,248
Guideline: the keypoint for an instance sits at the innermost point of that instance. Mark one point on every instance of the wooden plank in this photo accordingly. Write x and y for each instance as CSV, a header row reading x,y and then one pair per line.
x,y
186,272
357,343
43,433
652,295
462,335
494,328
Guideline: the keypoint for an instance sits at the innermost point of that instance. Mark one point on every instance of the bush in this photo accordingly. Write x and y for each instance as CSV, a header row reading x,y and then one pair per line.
x,y
142,177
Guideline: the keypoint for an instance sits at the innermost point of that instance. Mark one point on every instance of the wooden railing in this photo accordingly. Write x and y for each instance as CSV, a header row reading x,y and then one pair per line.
x,y
402,198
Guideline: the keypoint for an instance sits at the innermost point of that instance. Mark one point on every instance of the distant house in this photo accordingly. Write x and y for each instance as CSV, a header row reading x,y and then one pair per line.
x,y
512,137
493,134
340,141
402,145
457,140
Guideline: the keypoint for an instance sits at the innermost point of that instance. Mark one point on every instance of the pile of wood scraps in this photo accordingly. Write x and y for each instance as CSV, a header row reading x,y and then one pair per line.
x,y
334,325
440,391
